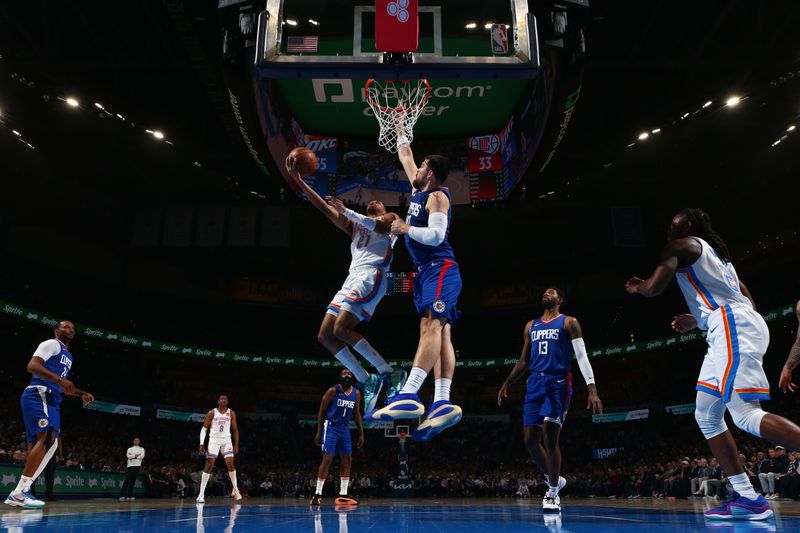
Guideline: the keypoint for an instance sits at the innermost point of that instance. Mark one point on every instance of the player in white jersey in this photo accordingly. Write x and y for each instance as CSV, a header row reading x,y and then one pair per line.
x,y
219,425
371,248
731,377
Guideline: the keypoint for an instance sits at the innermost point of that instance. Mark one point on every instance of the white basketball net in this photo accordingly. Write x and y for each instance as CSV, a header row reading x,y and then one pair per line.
x,y
397,105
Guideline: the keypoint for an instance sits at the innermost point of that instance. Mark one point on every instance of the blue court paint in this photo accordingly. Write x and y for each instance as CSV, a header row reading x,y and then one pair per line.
x,y
522,516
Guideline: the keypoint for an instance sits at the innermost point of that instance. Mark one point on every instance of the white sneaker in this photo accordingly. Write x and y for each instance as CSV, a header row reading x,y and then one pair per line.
x,y
201,498
24,500
236,495
551,502
122,498
132,498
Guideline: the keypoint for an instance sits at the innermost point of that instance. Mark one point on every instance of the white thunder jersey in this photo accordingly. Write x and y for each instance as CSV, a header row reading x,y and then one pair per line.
x,y
221,425
708,284
370,248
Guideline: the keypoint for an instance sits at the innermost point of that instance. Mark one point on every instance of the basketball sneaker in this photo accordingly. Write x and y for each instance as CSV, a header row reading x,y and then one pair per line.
x,y
393,381
441,416
737,507
343,499
403,406
26,500
551,503
561,482
316,499
201,498
236,495
372,388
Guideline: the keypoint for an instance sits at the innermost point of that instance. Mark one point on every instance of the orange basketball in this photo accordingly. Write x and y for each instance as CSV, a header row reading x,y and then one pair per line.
x,y
305,161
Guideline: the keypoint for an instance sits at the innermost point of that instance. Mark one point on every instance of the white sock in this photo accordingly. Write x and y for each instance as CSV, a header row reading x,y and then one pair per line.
x,y
24,484
320,484
371,354
415,380
741,484
343,486
232,475
346,357
442,389
203,482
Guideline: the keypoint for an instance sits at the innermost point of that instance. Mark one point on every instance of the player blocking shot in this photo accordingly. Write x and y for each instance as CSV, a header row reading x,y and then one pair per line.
x,y
339,404
731,377
437,286
549,345
50,366
219,425
371,244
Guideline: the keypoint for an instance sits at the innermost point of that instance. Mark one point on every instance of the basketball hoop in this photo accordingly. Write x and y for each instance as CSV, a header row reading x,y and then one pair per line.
x,y
397,105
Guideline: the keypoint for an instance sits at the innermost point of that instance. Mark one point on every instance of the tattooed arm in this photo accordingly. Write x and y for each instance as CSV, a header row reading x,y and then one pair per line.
x,y
792,361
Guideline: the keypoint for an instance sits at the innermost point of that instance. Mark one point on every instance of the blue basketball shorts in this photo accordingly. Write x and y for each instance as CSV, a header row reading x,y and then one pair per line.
x,y
436,289
41,411
336,439
546,399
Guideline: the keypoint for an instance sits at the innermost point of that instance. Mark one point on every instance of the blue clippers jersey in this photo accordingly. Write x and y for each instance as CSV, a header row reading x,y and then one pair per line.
x,y
422,254
59,364
340,410
551,347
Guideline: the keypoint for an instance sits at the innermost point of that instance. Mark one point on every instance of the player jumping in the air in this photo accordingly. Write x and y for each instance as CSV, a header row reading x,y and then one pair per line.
x,y
219,424
436,289
731,377
50,365
338,405
371,249
549,344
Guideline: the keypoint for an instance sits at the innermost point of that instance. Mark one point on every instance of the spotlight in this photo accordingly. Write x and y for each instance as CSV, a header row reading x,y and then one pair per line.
x,y
733,101
644,135
314,22
488,25
158,135
15,132
790,128
291,22
99,105
72,102
471,25
657,130
707,104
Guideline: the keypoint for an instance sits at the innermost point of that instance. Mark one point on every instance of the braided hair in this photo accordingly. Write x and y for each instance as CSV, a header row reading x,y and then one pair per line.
x,y
701,227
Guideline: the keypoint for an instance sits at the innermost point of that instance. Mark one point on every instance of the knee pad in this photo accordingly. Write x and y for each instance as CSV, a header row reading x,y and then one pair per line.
x,y
710,415
746,415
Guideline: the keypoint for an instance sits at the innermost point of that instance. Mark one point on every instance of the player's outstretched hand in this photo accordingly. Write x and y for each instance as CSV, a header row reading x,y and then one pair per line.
x,y
594,402
683,323
632,285
318,439
502,394
68,386
399,227
202,450
335,203
87,398
361,440
291,169
785,382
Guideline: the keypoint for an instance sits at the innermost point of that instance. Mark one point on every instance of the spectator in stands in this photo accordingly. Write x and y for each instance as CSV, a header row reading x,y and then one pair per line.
x,y
771,470
699,475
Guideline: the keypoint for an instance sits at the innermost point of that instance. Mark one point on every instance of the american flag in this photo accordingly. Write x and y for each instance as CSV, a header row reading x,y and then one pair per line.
x,y
302,44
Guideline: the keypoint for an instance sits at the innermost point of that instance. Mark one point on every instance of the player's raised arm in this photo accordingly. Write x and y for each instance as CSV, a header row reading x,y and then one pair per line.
x,y
316,200
579,346
521,367
675,253
404,152
382,224
359,421
329,395
204,430
235,432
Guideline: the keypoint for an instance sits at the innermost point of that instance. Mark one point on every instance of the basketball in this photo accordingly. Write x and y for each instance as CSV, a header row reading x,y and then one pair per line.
x,y
305,161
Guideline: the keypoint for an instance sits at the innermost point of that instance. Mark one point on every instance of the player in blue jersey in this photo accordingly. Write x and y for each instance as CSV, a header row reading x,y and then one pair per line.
x,y
339,404
549,344
436,289
731,377
41,409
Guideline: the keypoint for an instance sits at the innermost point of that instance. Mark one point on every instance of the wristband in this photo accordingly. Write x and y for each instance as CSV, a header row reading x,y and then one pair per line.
x,y
402,140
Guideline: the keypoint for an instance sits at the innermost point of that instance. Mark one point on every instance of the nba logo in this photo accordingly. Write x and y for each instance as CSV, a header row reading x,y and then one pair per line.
x,y
499,39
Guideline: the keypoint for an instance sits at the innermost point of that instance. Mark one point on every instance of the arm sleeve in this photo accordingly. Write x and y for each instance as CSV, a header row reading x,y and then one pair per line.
x,y
47,349
203,435
583,360
434,234
358,218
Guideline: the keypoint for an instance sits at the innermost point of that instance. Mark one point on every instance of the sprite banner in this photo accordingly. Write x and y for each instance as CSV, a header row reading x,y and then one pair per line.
x,y
116,408
73,482
180,416
622,416
680,409
23,313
